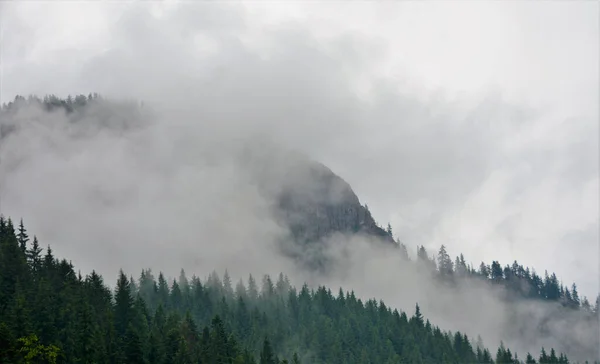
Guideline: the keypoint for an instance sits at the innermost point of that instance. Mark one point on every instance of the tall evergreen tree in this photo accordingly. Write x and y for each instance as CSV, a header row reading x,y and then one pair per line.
x,y
22,237
266,354
123,304
444,262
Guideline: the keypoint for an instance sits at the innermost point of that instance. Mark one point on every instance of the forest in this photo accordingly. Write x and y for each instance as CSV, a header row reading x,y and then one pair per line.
x,y
51,313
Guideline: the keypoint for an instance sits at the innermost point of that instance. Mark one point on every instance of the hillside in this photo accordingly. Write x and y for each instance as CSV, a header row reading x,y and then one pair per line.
x,y
310,201
311,204
50,314
307,198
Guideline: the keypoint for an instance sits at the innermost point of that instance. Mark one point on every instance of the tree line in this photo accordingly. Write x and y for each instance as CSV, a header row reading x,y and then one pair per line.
x,y
51,314
520,281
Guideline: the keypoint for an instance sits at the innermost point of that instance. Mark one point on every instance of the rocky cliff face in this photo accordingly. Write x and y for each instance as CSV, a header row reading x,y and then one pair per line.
x,y
309,198
325,205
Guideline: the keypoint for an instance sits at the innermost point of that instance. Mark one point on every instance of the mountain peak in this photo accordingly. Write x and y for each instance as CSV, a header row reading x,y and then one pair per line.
x,y
310,198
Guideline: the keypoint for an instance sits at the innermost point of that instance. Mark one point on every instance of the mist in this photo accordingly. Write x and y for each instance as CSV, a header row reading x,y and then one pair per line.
x,y
169,185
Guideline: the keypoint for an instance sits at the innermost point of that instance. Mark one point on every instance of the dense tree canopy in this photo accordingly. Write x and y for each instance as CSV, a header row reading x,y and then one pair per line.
x,y
51,314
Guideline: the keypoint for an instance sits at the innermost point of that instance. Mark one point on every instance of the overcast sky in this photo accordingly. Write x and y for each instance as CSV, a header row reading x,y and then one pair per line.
x,y
469,124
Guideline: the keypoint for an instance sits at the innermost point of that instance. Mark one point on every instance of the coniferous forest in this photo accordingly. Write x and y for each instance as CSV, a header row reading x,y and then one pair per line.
x,y
50,313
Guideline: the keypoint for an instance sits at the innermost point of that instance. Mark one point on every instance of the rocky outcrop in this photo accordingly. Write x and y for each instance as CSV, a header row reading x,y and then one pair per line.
x,y
309,198
324,206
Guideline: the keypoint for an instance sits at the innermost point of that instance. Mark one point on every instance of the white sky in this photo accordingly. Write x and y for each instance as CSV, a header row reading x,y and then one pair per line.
x,y
530,69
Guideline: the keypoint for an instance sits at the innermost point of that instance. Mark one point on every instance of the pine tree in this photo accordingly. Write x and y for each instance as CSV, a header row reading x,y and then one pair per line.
x,y
123,303
496,273
22,237
191,337
484,271
163,290
218,341
34,256
544,357
227,286
176,297
12,262
148,289
266,354
268,289
252,288
134,353
240,289
184,284
575,295
424,259
553,358
530,359
444,262
418,317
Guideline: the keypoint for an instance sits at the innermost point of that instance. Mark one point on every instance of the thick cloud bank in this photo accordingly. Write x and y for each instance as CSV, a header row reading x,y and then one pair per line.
x,y
163,186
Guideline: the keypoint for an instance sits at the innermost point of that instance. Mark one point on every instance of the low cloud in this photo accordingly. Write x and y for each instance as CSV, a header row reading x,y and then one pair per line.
x,y
164,186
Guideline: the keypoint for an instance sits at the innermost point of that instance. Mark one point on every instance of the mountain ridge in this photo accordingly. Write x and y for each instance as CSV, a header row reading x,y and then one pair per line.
x,y
315,204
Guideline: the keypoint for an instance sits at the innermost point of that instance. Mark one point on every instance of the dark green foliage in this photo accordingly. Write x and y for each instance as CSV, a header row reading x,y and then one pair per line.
x,y
191,321
266,354
22,237
7,345
529,359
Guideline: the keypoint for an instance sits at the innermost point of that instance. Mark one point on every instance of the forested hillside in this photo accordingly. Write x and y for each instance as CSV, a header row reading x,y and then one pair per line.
x,y
46,308
521,281
49,313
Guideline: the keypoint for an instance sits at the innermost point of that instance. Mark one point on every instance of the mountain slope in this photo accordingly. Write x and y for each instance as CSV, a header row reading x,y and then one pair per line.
x,y
326,205
50,313
310,201
315,204
309,198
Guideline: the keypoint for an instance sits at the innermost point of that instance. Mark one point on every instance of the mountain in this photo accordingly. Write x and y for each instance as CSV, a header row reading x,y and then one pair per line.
x,y
307,197
49,314
312,200
309,200
325,205
43,296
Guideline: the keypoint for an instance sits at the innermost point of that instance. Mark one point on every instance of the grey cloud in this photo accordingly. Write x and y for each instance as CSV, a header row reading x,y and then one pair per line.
x,y
174,194
471,306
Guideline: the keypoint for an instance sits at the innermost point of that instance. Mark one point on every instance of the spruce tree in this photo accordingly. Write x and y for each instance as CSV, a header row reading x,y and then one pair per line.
x,y
22,237
123,315
529,359
444,262
266,354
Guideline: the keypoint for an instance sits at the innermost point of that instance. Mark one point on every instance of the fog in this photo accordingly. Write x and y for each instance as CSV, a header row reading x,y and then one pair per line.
x,y
167,186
